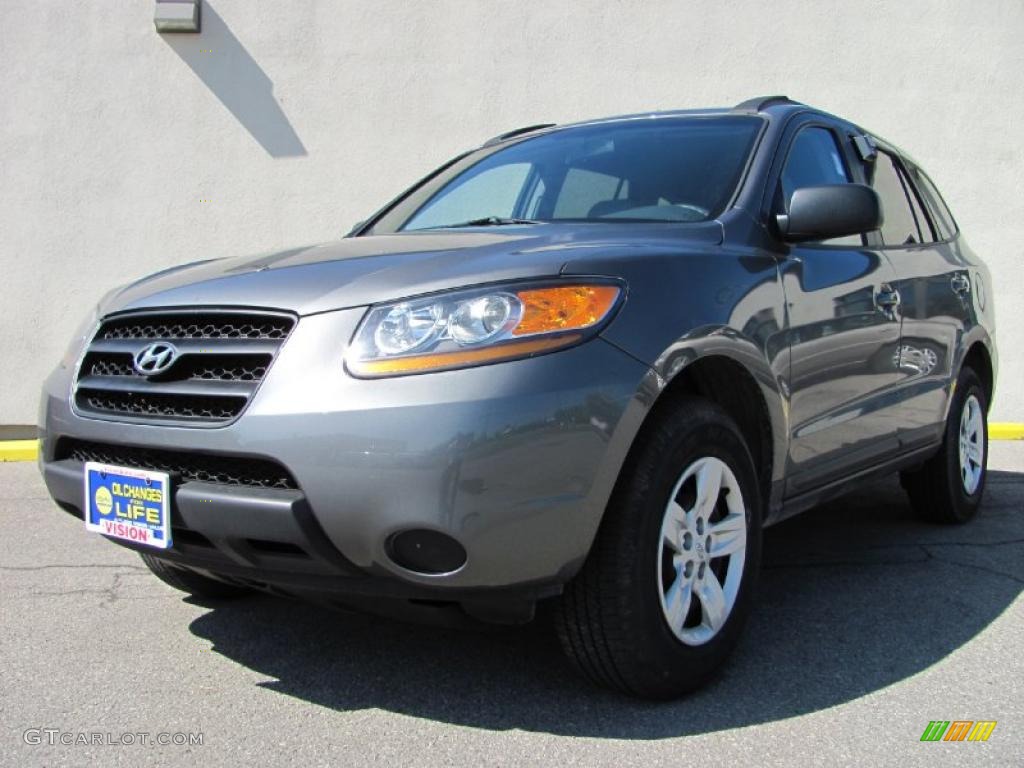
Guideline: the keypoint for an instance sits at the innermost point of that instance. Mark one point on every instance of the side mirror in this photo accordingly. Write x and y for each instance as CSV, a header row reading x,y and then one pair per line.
x,y
831,210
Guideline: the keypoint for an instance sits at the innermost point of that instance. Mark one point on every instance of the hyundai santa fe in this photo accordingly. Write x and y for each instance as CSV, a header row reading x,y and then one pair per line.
x,y
580,366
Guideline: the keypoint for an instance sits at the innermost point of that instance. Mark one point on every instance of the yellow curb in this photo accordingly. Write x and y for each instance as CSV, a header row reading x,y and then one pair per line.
x,y
28,450
1006,431
19,450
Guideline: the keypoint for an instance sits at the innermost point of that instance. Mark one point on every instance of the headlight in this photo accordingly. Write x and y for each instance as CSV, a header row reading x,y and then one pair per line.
x,y
475,327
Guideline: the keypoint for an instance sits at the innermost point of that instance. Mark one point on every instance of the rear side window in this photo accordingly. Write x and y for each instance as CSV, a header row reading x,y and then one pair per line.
x,y
923,224
899,226
944,222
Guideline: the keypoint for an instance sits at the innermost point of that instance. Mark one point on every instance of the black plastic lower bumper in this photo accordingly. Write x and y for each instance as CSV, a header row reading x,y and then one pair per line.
x,y
268,539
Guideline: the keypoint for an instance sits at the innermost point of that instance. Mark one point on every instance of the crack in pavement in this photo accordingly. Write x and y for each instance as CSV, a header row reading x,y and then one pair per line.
x,y
109,594
974,566
971,543
910,544
923,548
840,563
62,565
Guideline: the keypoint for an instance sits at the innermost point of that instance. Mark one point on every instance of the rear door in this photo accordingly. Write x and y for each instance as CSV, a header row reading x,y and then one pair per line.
x,y
934,285
841,321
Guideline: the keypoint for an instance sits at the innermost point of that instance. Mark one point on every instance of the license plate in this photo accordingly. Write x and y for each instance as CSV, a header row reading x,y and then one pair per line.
x,y
127,503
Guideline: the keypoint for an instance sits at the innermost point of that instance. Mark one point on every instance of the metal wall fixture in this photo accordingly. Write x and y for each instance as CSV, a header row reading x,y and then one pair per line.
x,y
177,15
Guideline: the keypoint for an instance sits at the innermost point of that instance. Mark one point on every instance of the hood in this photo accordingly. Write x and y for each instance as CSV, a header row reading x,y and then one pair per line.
x,y
359,271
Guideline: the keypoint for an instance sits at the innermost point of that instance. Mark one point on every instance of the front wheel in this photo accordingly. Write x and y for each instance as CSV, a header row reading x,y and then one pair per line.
x,y
948,488
661,600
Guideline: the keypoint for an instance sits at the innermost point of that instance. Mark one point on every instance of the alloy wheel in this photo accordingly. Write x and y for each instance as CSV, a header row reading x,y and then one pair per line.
x,y
702,550
972,445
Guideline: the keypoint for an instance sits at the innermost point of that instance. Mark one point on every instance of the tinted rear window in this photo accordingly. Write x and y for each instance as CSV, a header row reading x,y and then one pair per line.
x,y
941,215
899,225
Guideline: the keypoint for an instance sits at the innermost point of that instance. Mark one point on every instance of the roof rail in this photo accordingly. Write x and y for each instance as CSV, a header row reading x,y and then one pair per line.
x,y
517,132
759,103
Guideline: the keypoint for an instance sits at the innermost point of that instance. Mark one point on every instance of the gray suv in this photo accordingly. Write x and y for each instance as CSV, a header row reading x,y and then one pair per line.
x,y
579,366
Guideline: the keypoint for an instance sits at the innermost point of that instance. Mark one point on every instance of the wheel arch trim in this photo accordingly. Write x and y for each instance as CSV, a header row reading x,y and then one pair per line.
x,y
974,343
668,378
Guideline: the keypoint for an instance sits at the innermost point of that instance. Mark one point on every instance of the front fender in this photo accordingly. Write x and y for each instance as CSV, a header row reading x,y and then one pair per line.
x,y
698,304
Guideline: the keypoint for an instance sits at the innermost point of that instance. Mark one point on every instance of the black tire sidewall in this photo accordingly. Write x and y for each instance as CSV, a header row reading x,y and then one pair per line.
x,y
964,506
667,659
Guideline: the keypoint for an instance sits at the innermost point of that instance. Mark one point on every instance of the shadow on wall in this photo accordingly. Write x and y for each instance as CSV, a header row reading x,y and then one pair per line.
x,y
855,596
218,59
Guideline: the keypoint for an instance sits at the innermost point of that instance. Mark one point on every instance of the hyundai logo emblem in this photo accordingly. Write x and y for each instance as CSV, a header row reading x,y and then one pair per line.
x,y
155,359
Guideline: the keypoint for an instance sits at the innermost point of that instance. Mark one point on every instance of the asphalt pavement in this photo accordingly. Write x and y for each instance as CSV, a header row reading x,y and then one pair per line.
x,y
869,625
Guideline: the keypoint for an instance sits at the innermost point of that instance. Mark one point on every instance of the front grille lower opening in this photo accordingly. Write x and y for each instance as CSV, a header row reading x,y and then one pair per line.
x,y
190,538
161,406
187,467
269,547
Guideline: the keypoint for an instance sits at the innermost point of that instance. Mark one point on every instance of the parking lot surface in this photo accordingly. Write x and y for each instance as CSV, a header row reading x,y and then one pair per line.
x,y
869,625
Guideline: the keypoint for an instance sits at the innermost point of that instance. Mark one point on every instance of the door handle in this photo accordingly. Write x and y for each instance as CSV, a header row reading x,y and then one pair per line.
x,y
888,300
960,284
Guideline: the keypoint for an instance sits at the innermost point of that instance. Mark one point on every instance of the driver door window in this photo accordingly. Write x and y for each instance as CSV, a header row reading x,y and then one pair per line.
x,y
814,159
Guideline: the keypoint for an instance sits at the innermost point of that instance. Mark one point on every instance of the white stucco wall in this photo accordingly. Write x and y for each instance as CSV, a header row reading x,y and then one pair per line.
x,y
123,151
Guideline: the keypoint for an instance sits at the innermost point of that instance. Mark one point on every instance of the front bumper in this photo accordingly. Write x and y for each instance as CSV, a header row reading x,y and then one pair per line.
x,y
516,461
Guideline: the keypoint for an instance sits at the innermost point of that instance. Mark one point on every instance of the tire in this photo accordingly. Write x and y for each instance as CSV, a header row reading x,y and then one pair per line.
x,y
941,490
612,619
190,582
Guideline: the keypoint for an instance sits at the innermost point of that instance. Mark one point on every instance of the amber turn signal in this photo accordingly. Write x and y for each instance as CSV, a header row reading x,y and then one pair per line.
x,y
477,326
564,308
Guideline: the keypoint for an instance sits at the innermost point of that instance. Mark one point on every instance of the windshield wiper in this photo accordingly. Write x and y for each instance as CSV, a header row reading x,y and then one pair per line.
x,y
488,221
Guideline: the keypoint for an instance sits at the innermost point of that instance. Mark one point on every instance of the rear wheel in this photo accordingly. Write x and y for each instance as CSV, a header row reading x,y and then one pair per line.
x,y
191,582
948,488
661,600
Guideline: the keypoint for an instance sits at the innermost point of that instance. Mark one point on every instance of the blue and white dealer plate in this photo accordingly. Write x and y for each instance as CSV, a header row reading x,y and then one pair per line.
x,y
127,503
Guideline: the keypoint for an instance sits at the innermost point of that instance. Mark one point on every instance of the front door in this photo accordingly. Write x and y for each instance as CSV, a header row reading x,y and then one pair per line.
x,y
843,323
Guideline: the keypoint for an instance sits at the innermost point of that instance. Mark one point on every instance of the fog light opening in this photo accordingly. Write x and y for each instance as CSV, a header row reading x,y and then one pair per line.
x,y
424,551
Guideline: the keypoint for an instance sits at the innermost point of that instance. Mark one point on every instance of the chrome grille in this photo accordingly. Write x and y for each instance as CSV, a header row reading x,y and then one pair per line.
x,y
205,326
222,356
209,367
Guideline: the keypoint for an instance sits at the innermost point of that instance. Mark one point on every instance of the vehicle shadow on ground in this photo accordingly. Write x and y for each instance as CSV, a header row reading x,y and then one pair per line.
x,y
854,596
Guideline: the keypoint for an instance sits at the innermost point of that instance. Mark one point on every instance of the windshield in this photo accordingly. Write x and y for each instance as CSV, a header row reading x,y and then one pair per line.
x,y
670,169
